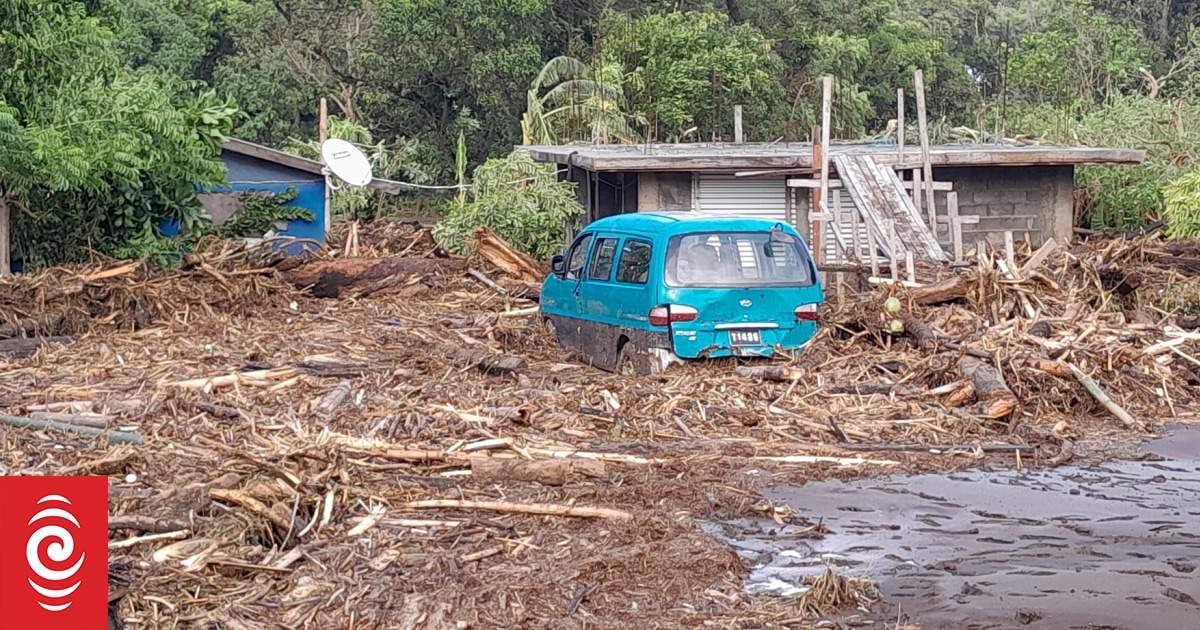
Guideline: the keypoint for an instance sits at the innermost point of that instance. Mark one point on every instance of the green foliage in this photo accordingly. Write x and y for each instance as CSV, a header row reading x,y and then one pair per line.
x,y
518,199
686,71
94,151
1183,206
259,214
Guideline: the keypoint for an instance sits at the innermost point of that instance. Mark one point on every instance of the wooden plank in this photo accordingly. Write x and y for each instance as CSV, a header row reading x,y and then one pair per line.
x,y
5,256
875,226
900,123
924,237
880,196
938,186
814,183
826,121
923,128
737,124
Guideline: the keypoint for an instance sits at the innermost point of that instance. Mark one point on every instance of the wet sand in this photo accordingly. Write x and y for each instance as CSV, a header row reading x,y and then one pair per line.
x,y
1110,546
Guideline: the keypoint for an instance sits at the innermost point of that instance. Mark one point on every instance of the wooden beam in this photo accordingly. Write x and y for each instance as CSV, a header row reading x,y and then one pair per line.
x,y
941,186
5,252
737,124
826,117
923,129
900,123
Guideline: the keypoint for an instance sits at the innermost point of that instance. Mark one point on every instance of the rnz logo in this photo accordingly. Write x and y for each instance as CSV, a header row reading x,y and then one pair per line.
x,y
54,586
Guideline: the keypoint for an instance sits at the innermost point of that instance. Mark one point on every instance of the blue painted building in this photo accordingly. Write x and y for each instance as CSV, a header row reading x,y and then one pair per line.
x,y
256,168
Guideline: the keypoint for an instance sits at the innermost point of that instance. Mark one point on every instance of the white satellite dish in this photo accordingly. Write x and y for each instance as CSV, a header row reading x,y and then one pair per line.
x,y
346,161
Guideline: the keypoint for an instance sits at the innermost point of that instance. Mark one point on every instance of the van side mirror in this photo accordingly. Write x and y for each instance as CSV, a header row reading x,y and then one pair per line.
x,y
557,265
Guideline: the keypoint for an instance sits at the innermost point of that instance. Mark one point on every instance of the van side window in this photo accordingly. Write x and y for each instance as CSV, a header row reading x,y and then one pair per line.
x,y
602,260
578,256
634,266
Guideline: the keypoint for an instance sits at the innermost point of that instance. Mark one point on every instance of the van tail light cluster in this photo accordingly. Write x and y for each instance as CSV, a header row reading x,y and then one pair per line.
x,y
806,313
665,314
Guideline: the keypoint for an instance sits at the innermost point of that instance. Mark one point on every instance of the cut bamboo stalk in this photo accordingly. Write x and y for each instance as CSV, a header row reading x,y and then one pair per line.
x,y
521,508
1101,397
38,425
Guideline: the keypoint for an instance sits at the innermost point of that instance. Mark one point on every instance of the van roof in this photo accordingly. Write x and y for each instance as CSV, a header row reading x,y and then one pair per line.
x,y
683,221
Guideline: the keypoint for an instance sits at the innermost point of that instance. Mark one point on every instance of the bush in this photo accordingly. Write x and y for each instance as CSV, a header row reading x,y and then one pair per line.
x,y
1183,206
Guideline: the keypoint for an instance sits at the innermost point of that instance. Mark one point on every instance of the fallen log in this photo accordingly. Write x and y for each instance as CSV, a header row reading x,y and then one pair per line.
x,y
548,472
878,389
948,290
333,278
781,373
497,251
24,348
940,448
521,508
919,333
486,361
995,398
31,326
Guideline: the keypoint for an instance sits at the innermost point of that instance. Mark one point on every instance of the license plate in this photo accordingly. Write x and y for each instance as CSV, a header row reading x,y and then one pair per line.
x,y
744,338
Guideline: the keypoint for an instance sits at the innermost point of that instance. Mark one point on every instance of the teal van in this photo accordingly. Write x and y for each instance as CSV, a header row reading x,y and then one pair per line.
x,y
641,291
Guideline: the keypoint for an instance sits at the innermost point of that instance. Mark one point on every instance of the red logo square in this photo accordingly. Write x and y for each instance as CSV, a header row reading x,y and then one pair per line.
x,y
53,553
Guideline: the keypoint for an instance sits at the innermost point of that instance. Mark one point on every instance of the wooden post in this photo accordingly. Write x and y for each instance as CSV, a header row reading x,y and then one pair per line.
x,y
5,255
892,240
323,135
917,187
815,195
737,124
789,207
909,267
854,235
923,129
900,125
1009,245
826,114
955,226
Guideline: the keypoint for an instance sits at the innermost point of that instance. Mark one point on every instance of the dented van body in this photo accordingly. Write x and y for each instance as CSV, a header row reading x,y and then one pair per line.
x,y
644,290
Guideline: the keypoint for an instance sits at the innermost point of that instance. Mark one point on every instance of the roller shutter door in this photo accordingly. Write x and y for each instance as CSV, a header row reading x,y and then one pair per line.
x,y
726,194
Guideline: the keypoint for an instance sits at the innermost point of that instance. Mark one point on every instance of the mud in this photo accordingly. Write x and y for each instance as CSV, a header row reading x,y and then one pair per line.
x,y
1102,547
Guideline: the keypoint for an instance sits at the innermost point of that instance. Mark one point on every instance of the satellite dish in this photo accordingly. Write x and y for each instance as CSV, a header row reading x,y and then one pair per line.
x,y
346,161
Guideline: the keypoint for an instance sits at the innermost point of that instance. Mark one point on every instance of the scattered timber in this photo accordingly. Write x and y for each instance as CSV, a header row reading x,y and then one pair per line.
x,y
948,290
147,524
521,508
780,373
517,265
1103,398
486,361
97,421
548,472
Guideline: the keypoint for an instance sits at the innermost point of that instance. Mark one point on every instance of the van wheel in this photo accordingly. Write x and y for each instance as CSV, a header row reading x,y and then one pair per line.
x,y
633,361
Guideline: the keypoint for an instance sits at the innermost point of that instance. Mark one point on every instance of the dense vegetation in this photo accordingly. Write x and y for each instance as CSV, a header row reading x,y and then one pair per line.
x,y
110,111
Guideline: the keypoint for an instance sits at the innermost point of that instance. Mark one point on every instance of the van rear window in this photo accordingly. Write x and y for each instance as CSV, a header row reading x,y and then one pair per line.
x,y
736,259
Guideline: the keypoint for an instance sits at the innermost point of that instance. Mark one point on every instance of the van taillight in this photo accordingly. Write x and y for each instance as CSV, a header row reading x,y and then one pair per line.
x,y
667,313
806,312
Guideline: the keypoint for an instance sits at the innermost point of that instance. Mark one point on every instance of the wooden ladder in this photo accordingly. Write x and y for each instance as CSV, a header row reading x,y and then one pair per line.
x,y
888,210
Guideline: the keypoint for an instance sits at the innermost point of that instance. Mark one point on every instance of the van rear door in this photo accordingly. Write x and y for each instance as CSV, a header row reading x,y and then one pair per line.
x,y
739,293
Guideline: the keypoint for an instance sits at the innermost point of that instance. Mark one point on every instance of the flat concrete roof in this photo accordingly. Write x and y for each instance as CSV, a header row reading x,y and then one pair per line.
x,y
729,156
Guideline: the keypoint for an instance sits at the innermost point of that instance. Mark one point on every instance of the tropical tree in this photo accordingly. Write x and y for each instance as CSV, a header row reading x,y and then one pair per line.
x,y
580,104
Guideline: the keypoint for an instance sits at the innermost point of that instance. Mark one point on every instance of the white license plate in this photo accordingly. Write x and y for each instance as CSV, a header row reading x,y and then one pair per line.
x,y
744,338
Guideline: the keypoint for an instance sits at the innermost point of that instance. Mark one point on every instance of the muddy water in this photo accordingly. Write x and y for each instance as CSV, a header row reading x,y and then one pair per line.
x,y
1110,546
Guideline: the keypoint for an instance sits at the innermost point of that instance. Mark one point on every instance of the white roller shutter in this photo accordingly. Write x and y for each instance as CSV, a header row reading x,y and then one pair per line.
x,y
750,197
832,252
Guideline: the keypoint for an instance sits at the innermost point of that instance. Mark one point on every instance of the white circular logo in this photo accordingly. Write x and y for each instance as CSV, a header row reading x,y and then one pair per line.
x,y
59,551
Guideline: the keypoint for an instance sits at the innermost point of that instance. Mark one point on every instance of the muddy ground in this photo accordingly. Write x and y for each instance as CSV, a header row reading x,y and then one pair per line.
x,y
271,513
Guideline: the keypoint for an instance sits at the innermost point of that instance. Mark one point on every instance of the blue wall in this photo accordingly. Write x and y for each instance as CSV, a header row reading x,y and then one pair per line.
x,y
248,174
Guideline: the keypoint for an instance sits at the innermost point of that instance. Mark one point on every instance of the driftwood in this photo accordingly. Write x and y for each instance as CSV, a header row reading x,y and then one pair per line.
x,y
919,333
487,282
521,508
334,399
947,290
517,265
548,472
38,425
229,380
334,278
868,389
781,373
79,419
147,524
995,398
926,448
487,361
23,348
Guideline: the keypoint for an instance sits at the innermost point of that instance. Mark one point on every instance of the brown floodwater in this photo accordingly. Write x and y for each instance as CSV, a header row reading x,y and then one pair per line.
x,y
1114,546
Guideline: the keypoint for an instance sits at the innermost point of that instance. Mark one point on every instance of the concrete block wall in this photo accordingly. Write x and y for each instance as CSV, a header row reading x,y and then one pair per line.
x,y
1033,200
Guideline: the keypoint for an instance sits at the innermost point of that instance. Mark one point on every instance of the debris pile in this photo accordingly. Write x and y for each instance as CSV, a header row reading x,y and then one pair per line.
x,y
426,451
